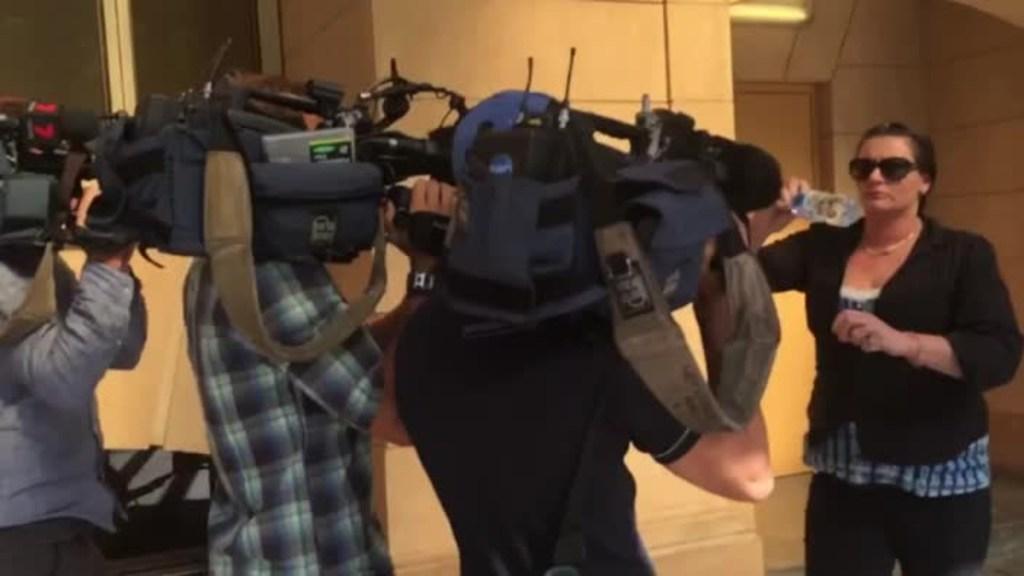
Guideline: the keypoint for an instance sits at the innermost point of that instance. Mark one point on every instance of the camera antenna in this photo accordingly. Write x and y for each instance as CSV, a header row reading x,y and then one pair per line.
x,y
563,114
397,97
526,93
568,78
215,66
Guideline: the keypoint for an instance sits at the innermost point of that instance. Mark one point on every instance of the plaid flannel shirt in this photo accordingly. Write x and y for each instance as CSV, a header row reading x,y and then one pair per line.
x,y
289,441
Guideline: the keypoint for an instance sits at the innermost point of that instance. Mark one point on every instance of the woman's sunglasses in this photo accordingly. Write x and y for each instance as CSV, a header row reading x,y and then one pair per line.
x,y
892,169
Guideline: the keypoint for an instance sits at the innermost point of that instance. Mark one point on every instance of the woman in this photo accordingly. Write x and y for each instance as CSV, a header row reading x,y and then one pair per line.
x,y
912,324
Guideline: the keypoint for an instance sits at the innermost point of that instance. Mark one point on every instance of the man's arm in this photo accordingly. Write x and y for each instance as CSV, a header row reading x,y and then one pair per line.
x,y
131,349
63,361
736,465
386,329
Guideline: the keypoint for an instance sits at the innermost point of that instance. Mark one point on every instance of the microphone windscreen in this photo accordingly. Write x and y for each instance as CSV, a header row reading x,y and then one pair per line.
x,y
78,125
753,177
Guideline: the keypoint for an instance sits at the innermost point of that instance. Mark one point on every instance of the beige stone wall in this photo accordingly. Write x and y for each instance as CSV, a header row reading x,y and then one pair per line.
x,y
782,118
976,105
805,53
1011,11
328,39
157,403
879,76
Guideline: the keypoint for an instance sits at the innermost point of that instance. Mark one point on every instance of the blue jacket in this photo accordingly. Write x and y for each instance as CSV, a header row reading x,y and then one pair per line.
x,y
50,450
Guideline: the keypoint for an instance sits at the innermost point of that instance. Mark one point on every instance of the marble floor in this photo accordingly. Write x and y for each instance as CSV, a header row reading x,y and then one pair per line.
x,y
781,525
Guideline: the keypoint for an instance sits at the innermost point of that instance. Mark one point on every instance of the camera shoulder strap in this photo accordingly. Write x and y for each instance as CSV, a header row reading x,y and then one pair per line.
x,y
654,345
749,353
39,305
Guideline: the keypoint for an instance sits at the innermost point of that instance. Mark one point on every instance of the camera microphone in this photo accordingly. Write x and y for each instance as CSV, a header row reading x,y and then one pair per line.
x,y
78,125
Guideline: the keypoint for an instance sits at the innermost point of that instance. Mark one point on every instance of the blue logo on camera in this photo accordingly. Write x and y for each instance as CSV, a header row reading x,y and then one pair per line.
x,y
502,165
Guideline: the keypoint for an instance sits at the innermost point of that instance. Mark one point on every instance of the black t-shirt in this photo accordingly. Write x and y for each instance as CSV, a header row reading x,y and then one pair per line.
x,y
500,422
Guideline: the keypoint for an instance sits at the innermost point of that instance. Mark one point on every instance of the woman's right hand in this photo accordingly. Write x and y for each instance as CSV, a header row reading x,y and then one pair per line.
x,y
768,221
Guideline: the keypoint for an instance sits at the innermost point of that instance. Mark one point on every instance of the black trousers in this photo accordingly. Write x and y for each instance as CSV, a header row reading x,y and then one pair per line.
x,y
61,547
865,530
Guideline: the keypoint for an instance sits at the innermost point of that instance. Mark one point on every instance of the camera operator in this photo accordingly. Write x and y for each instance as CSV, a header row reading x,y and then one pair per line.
x,y
52,497
503,424
291,442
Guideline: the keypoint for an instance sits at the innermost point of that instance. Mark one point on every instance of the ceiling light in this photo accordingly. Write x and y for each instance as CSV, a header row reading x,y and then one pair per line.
x,y
764,12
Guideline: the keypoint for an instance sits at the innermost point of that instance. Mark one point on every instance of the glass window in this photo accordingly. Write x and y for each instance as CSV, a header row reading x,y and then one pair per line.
x,y
50,57
175,42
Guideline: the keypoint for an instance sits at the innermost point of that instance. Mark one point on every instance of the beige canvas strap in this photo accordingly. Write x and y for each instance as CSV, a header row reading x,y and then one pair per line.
x,y
228,240
654,345
40,304
749,353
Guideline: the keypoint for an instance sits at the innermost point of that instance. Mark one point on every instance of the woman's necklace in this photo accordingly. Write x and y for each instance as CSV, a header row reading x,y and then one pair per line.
x,y
889,248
